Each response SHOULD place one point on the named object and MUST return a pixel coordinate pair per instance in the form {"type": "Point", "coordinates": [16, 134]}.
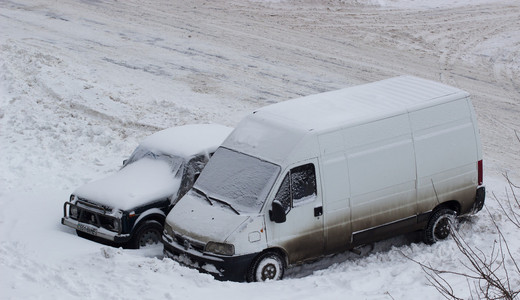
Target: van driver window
{"type": "Point", "coordinates": [284, 195]}
{"type": "Point", "coordinates": [300, 187]}
{"type": "Point", "coordinates": [303, 183]}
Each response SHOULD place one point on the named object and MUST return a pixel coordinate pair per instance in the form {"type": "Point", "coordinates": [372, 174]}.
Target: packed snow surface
{"type": "Point", "coordinates": [81, 82]}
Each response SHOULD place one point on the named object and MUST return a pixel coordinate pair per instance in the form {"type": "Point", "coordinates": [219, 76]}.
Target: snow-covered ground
{"type": "Point", "coordinates": [81, 82]}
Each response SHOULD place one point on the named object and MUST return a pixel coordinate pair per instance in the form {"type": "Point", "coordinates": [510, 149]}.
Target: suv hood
{"type": "Point", "coordinates": [139, 183]}
{"type": "Point", "coordinates": [196, 218]}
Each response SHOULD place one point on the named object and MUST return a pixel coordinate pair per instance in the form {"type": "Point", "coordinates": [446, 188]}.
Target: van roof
{"type": "Point", "coordinates": [376, 100]}
{"type": "Point", "coordinates": [274, 132]}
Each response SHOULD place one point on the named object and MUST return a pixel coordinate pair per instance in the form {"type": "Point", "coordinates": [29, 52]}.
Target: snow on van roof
{"type": "Point", "coordinates": [359, 103]}
{"type": "Point", "coordinates": [273, 132]}
{"type": "Point", "coordinates": [187, 140]}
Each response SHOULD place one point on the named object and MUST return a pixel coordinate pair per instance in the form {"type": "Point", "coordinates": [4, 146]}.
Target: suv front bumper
{"type": "Point", "coordinates": [91, 221]}
{"type": "Point", "coordinates": [95, 231]}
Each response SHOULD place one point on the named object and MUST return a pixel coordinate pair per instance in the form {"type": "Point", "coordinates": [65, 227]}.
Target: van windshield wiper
{"type": "Point", "coordinates": [215, 199]}
{"type": "Point", "coordinates": [227, 204]}
{"type": "Point", "coordinates": [203, 194]}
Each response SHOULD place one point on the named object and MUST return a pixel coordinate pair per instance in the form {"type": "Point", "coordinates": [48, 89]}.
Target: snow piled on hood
{"type": "Point", "coordinates": [141, 182]}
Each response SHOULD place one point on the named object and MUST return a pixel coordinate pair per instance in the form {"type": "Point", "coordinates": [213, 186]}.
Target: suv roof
{"type": "Point", "coordinates": [187, 140]}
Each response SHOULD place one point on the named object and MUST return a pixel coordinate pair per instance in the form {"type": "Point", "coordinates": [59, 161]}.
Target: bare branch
{"type": "Point", "coordinates": [483, 269]}
{"type": "Point", "coordinates": [488, 275]}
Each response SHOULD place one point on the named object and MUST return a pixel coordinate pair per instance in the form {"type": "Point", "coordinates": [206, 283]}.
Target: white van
{"type": "Point", "coordinates": [325, 173]}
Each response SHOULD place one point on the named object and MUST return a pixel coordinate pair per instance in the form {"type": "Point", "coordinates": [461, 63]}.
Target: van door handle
{"type": "Point", "coordinates": [318, 211]}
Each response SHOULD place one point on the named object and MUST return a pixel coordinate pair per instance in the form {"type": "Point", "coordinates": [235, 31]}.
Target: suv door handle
{"type": "Point", "coordinates": [318, 211]}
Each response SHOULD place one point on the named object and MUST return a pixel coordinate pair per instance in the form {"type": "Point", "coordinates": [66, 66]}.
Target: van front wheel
{"type": "Point", "coordinates": [267, 266]}
{"type": "Point", "coordinates": [439, 226]}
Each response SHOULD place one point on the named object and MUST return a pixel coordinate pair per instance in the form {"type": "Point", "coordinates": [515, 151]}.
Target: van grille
{"type": "Point", "coordinates": [188, 243]}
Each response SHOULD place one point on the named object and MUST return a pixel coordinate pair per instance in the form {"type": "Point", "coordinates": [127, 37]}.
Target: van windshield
{"type": "Point", "coordinates": [240, 180]}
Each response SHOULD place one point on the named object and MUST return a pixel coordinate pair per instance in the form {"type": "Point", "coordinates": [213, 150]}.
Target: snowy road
{"type": "Point", "coordinates": [82, 81]}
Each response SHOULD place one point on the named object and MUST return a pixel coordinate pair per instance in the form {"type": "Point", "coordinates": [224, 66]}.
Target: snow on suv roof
{"type": "Point", "coordinates": [359, 103]}
{"type": "Point", "coordinates": [187, 140]}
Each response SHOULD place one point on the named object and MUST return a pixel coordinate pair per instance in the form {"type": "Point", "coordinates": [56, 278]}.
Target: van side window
{"type": "Point", "coordinates": [303, 183]}
{"type": "Point", "coordinates": [297, 186]}
{"type": "Point", "coordinates": [284, 194]}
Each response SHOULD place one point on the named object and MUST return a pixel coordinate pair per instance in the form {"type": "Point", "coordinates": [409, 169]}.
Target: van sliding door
{"type": "Point", "coordinates": [381, 163]}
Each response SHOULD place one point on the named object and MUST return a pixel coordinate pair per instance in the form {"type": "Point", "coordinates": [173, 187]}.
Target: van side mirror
{"type": "Point", "coordinates": [277, 213]}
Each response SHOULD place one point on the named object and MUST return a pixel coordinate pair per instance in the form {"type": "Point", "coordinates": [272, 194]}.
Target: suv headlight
{"type": "Point", "coordinates": [220, 248]}
{"type": "Point", "coordinates": [73, 212]}
{"type": "Point", "coordinates": [116, 224]}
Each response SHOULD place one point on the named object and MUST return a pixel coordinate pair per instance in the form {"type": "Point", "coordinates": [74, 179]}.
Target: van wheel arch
{"type": "Point", "coordinates": [272, 254]}
{"type": "Point", "coordinates": [452, 204]}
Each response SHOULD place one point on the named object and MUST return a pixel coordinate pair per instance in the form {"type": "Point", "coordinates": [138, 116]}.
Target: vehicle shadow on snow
{"type": "Point", "coordinates": [152, 251]}
{"type": "Point", "coordinates": [308, 268]}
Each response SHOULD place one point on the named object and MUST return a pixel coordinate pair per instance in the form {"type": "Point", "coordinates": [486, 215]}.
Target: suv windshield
{"type": "Point", "coordinates": [240, 180]}
{"type": "Point", "coordinates": [140, 152]}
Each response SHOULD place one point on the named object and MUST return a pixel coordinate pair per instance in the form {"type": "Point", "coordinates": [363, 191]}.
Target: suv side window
{"type": "Point", "coordinates": [297, 186]}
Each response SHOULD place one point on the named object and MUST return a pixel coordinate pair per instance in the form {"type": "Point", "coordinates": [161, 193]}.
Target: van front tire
{"type": "Point", "coordinates": [439, 226]}
{"type": "Point", "coordinates": [267, 266]}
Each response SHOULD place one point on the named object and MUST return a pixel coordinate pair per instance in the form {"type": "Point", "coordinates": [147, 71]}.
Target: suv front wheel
{"type": "Point", "coordinates": [148, 234]}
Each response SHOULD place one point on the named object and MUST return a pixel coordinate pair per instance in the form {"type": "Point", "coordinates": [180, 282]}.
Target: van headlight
{"type": "Point", "coordinates": [168, 231]}
{"type": "Point", "coordinates": [220, 248]}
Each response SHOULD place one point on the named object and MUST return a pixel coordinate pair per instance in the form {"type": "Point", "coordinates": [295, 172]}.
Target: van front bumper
{"type": "Point", "coordinates": [232, 268]}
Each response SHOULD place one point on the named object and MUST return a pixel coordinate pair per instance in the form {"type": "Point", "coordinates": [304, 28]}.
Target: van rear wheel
{"type": "Point", "coordinates": [439, 226]}
{"type": "Point", "coordinates": [268, 266]}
